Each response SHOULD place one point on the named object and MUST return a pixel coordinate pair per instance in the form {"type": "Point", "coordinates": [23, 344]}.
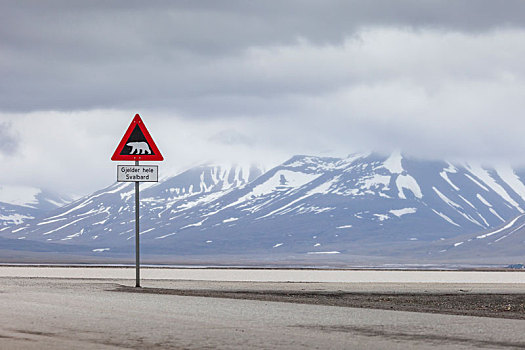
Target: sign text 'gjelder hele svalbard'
{"type": "Point", "coordinates": [142, 173]}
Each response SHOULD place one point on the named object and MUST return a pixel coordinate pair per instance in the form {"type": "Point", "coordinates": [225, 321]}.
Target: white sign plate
{"type": "Point", "coordinates": [141, 173]}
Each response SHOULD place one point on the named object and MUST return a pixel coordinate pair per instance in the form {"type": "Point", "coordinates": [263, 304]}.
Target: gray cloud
{"type": "Point", "coordinates": [231, 137]}
{"type": "Point", "coordinates": [9, 140]}
{"type": "Point", "coordinates": [76, 55]}
{"type": "Point", "coordinates": [257, 80]}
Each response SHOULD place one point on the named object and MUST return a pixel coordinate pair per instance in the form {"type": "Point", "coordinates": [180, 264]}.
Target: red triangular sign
{"type": "Point", "coordinates": [137, 144]}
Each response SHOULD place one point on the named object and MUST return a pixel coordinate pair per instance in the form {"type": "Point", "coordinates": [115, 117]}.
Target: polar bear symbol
{"type": "Point", "coordinates": [139, 148]}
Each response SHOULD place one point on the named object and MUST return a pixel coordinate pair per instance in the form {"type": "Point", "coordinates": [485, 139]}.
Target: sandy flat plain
{"type": "Point", "coordinates": [203, 312]}
{"type": "Point", "coordinates": [269, 275]}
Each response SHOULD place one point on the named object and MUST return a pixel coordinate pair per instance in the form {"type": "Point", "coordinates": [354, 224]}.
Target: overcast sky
{"type": "Point", "coordinates": [255, 81]}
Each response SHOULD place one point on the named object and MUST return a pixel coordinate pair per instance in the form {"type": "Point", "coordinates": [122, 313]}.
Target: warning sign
{"type": "Point", "coordinates": [137, 144]}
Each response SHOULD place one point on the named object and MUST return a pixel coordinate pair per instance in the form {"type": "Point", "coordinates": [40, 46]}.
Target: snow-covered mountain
{"type": "Point", "coordinates": [105, 215]}
{"type": "Point", "coordinates": [19, 204]}
{"type": "Point", "coordinates": [362, 205]}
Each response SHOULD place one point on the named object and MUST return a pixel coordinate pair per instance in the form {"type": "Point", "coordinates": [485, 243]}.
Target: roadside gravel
{"type": "Point", "coordinates": [461, 302]}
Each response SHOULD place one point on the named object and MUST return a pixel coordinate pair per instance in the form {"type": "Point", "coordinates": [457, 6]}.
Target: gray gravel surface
{"type": "Point", "coordinates": [462, 302]}
{"type": "Point", "coordinates": [39, 313]}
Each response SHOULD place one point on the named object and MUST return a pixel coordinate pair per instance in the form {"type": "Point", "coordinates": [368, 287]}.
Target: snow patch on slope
{"type": "Point", "coordinates": [393, 163]}
{"type": "Point", "coordinates": [15, 219]}
{"type": "Point", "coordinates": [449, 220]}
{"type": "Point", "coordinates": [509, 176]}
{"type": "Point", "coordinates": [466, 201]}
{"type": "Point", "coordinates": [446, 199]}
{"type": "Point", "coordinates": [496, 214]}
{"type": "Point", "coordinates": [476, 182]}
{"type": "Point", "coordinates": [404, 211]}
{"type": "Point", "coordinates": [510, 224]}
{"type": "Point", "coordinates": [382, 217]}
{"type": "Point", "coordinates": [455, 206]}
{"type": "Point", "coordinates": [483, 200]}
{"type": "Point", "coordinates": [193, 225]}
{"type": "Point", "coordinates": [230, 220]}
{"type": "Point", "coordinates": [374, 181]}
{"type": "Point", "coordinates": [344, 226]}
{"type": "Point", "coordinates": [408, 182]}
{"type": "Point", "coordinates": [444, 175]}
{"type": "Point", "coordinates": [321, 189]}
{"type": "Point", "coordinates": [484, 176]}
{"type": "Point", "coordinates": [283, 179]}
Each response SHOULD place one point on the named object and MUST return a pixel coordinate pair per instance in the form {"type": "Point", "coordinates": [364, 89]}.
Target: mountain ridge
{"type": "Point", "coordinates": [22, 203]}
{"type": "Point", "coordinates": [364, 204]}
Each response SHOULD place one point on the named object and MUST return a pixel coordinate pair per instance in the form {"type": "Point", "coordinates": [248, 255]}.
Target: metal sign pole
{"type": "Point", "coordinates": [137, 248]}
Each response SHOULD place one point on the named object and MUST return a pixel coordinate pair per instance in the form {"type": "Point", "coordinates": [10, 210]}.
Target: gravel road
{"type": "Point", "coordinates": [46, 313]}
